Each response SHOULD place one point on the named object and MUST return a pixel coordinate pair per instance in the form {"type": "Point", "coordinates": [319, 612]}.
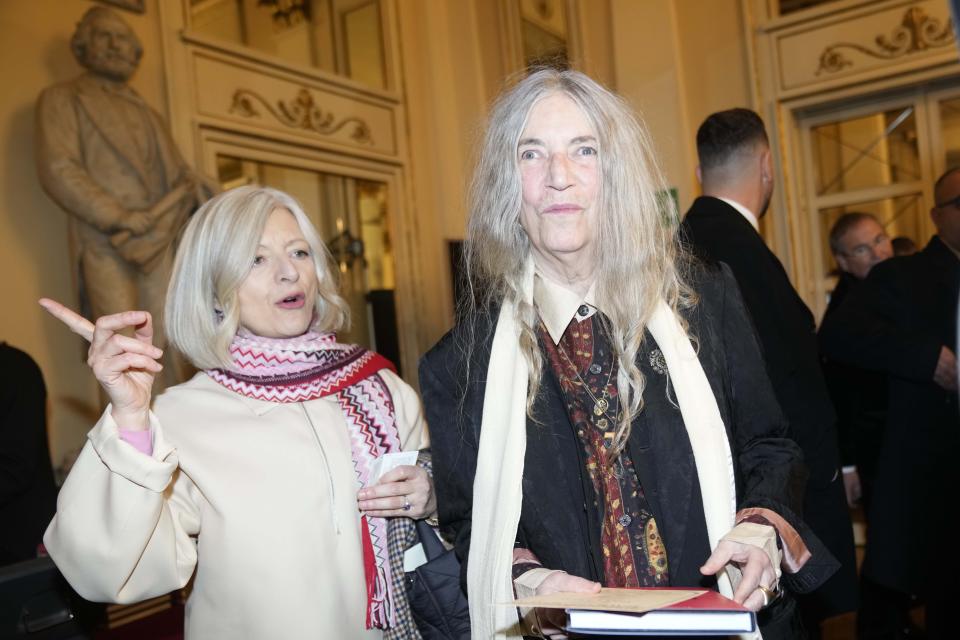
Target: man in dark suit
{"type": "Point", "coordinates": [858, 242]}
{"type": "Point", "coordinates": [903, 322]}
{"type": "Point", "coordinates": [736, 173]}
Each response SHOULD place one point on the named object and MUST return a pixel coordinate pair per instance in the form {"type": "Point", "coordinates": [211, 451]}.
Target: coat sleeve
{"type": "Point", "coordinates": [770, 463]}
{"type": "Point", "coordinates": [866, 332]}
{"type": "Point", "coordinates": [453, 436]}
{"type": "Point", "coordinates": [60, 163]}
{"type": "Point", "coordinates": [124, 523]}
{"type": "Point", "coordinates": [771, 476]}
{"type": "Point", "coordinates": [411, 424]}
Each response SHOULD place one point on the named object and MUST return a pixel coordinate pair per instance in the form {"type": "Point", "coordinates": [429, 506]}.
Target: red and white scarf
{"type": "Point", "coordinates": [312, 366]}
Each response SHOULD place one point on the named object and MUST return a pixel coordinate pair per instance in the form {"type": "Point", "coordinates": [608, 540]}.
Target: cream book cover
{"type": "Point", "coordinates": [610, 599]}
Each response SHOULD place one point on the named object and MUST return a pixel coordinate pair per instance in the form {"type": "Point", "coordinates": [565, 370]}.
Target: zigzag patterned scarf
{"type": "Point", "coordinates": [312, 366]}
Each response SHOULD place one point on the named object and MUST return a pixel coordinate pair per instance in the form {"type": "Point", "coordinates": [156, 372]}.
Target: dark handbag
{"type": "Point", "coordinates": [437, 603]}
{"type": "Point", "coordinates": [36, 602]}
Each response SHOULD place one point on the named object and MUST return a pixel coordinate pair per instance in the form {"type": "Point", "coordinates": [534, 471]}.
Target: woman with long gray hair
{"type": "Point", "coordinates": [601, 413]}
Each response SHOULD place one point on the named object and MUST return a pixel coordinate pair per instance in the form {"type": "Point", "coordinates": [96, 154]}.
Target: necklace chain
{"type": "Point", "coordinates": [601, 404]}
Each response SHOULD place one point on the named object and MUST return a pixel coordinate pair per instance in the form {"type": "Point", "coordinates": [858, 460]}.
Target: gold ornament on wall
{"type": "Point", "coordinates": [300, 113]}
{"type": "Point", "coordinates": [917, 32]}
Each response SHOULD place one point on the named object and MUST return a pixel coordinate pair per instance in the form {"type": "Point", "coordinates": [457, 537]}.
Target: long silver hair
{"type": "Point", "coordinates": [637, 248]}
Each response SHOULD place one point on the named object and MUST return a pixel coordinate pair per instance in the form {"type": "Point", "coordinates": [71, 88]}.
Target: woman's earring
{"type": "Point", "coordinates": [219, 314]}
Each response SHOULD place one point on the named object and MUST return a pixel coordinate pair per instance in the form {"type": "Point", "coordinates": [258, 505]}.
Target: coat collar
{"type": "Point", "coordinates": [748, 215]}
{"type": "Point", "coordinates": [946, 261]}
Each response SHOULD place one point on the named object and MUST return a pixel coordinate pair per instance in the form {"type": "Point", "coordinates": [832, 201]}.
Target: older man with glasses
{"type": "Point", "coordinates": [858, 242]}
{"type": "Point", "coordinates": [902, 322]}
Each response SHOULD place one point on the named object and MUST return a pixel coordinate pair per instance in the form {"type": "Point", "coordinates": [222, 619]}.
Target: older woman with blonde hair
{"type": "Point", "coordinates": [246, 477]}
{"type": "Point", "coordinates": [601, 415]}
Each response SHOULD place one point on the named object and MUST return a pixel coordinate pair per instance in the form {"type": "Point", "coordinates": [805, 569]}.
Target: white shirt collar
{"type": "Point", "coordinates": [557, 305]}
{"type": "Point", "coordinates": [746, 213]}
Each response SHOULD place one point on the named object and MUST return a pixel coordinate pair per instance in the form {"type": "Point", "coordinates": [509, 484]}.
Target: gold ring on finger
{"type": "Point", "coordinates": [769, 595]}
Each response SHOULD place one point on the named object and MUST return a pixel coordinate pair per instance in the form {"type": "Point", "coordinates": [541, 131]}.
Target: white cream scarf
{"type": "Point", "coordinates": [497, 488]}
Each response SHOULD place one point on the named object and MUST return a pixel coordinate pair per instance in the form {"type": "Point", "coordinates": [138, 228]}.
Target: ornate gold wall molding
{"type": "Point", "coordinates": [917, 32]}
{"type": "Point", "coordinates": [300, 113]}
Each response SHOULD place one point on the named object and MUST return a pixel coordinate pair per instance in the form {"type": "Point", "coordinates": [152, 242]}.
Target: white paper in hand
{"type": "Point", "coordinates": [388, 462]}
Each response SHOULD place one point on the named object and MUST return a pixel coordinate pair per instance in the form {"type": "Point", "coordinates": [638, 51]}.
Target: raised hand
{"type": "Point", "coordinates": [124, 367]}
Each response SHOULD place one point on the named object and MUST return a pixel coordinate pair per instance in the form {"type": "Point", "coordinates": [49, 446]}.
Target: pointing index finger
{"type": "Point", "coordinates": [74, 321]}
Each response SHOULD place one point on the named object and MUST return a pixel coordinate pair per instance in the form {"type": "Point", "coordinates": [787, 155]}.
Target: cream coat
{"type": "Point", "coordinates": [258, 498]}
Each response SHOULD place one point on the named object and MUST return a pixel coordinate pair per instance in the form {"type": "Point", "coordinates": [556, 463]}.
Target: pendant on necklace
{"type": "Point", "coordinates": [600, 407]}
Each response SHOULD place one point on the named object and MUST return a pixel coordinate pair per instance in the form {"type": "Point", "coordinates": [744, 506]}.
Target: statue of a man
{"type": "Point", "coordinates": [108, 159]}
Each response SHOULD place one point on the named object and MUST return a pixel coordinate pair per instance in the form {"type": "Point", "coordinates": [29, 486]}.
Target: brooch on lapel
{"type": "Point", "coordinates": [658, 362]}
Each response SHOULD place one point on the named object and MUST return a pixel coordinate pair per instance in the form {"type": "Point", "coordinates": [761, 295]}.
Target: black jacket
{"type": "Point", "coordinates": [719, 233]}
{"type": "Point", "coordinates": [860, 399]}
{"type": "Point", "coordinates": [896, 323]}
{"type": "Point", "coordinates": [557, 520]}
{"type": "Point", "coordinates": [27, 492]}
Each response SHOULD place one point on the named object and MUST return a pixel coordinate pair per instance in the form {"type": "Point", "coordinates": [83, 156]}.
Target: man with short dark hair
{"type": "Point", "coordinates": [736, 173]}
{"type": "Point", "coordinates": [902, 322]}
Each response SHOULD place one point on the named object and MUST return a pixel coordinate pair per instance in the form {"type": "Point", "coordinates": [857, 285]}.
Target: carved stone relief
{"type": "Point", "coordinates": [300, 113]}
{"type": "Point", "coordinates": [254, 99]}
{"type": "Point", "coordinates": [917, 32]}
{"type": "Point", "coordinates": [824, 51]}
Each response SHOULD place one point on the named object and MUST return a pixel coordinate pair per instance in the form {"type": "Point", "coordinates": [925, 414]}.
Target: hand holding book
{"type": "Point", "coordinates": [756, 568]}
{"type": "Point", "coordinates": [552, 621]}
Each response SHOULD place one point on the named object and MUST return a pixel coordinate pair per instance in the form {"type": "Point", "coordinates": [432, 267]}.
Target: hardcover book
{"type": "Point", "coordinates": [650, 611]}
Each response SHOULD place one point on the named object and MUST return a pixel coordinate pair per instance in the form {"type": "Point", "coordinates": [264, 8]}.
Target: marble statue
{"type": "Point", "coordinates": [109, 161]}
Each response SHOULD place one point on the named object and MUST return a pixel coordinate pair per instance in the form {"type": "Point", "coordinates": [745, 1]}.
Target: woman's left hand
{"type": "Point", "coordinates": [405, 485]}
{"type": "Point", "coordinates": [754, 564]}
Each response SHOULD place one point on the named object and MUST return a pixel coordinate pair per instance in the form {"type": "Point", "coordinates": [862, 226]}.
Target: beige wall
{"type": "Point", "coordinates": [33, 230]}
{"type": "Point", "coordinates": [677, 61]}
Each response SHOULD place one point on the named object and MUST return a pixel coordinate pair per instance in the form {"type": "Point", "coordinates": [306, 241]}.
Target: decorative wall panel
{"type": "Point", "coordinates": [229, 92]}
{"type": "Point", "coordinates": [857, 45]}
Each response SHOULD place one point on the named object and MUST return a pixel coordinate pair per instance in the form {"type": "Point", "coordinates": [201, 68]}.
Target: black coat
{"type": "Point", "coordinates": [27, 492]}
{"type": "Point", "coordinates": [860, 399]}
{"type": "Point", "coordinates": [557, 521]}
{"type": "Point", "coordinates": [896, 323]}
{"type": "Point", "coordinates": [719, 233]}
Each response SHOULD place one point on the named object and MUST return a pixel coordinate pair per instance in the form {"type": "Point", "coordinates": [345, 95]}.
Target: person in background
{"type": "Point", "coordinates": [903, 246]}
{"type": "Point", "coordinates": [857, 242]}
{"type": "Point", "coordinates": [246, 477]}
{"type": "Point", "coordinates": [736, 173]}
{"type": "Point", "coordinates": [27, 490]}
{"type": "Point", "coordinates": [902, 322]}
{"type": "Point", "coordinates": [600, 414]}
